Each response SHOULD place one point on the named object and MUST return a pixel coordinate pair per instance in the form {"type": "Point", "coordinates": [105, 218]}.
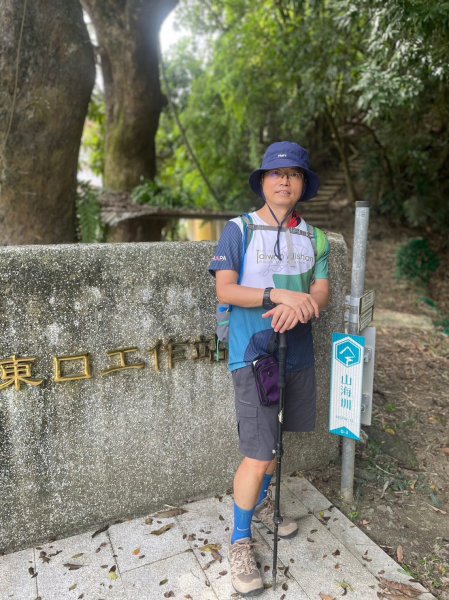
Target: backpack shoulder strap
{"type": "Point", "coordinates": [311, 236]}
{"type": "Point", "coordinates": [248, 226]}
{"type": "Point", "coordinates": [247, 222]}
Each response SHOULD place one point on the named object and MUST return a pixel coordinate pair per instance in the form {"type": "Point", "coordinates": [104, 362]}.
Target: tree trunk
{"type": "Point", "coordinates": [128, 37]}
{"type": "Point", "coordinates": [48, 70]}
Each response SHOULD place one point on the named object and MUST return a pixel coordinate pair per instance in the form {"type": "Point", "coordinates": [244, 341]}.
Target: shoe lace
{"type": "Point", "coordinates": [243, 556]}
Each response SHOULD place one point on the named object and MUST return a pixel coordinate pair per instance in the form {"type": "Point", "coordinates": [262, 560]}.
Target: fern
{"type": "Point", "coordinates": [88, 212]}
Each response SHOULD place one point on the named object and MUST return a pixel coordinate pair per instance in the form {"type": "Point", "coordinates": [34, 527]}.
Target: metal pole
{"type": "Point", "coordinates": [282, 355]}
{"type": "Point", "coordinates": [357, 289]}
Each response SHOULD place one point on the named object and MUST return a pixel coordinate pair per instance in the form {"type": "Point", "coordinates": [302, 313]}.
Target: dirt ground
{"type": "Point", "coordinates": [401, 487]}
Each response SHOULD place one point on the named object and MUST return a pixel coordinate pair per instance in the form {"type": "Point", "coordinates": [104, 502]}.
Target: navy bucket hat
{"type": "Point", "coordinates": [286, 154]}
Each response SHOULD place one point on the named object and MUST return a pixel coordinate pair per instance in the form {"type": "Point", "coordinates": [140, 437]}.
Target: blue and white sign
{"type": "Point", "coordinates": [346, 385]}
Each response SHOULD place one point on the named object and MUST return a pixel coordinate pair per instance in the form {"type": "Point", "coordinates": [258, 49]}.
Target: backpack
{"type": "Point", "coordinates": [223, 311]}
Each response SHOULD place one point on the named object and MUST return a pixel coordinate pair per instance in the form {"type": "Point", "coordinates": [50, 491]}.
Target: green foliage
{"type": "Point", "coordinates": [154, 193]}
{"type": "Point", "coordinates": [247, 93]}
{"type": "Point", "coordinates": [416, 261]}
{"type": "Point", "coordinates": [95, 132]}
{"type": "Point", "coordinates": [332, 74]}
{"type": "Point", "coordinates": [90, 228]}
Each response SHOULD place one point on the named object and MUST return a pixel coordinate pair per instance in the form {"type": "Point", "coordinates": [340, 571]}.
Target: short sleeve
{"type": "Point", "coordinates": [323, 250]}
{"type": "Point", "coordinates": [228, 255]}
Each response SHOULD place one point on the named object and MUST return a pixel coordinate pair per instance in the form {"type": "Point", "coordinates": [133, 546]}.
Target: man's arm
{"type": "Point", "coordinates": [320, 292]}
{"type": "Point", "coordinates": [229, 292]}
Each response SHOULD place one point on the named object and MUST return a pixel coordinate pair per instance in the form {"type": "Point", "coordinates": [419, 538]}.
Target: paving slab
{"type": "Point", "coordinates": [16, 579]}
{"type": "Point", "coordinates": [180, 575]}
{"type": "Point", "coordinates": [307, 493]}
{"type": "Point", "coordinates": [318, 561]}
{"type": "Point", "coordinates": [81, 566]}
{"type": "Point", "coordinates": [138, 542]}
{"type": "Point", "coordinates": [188, 559]}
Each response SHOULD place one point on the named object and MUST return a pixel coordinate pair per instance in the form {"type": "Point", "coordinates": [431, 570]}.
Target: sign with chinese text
{"type": "Point", "coordinates": [346, 385]}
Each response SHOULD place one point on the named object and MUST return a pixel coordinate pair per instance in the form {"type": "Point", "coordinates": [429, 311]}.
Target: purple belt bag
{"type": "Point", "coordinates": [266, 373]}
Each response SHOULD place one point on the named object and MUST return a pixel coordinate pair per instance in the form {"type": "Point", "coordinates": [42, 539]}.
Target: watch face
{"type": "Point", "coordinates": [267, 303]}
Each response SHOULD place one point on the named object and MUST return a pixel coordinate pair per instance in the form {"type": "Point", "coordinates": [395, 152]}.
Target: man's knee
{"type": "Point", "coordinates": [257, 466]}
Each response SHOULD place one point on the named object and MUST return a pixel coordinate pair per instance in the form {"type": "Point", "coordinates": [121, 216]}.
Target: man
{"type": "Point", "coordinates": [274, 274]}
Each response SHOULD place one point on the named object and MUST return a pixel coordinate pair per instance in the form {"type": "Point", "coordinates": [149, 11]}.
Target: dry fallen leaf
{"type": "Point", "coordinates": [438, 510]}
{"type": "Point", "coordinates": [208, 564]}
{"type": "Point", "coordinates": [105, 528]}
{"type": "Point", "coordinates": [217, 556]}
{"type": "Point", "coordinates": [210, 548]}
{"type": "Point", "coordinates": [400, 554]}
{"type": "Point", "coordinates": [162, 529]}
{"type": "Point", "coordinates": [112, 573]}
{"type": "Point", "coordinates": [365, 557]}
{"type": "Point", "coordinates": [345, 586]}
{"type": "Point", "coordinates": [72, 566]}
{"type": "Point", "coordinates": [407, 590]}
{"type": "Point", "coordinates": [168, 514]}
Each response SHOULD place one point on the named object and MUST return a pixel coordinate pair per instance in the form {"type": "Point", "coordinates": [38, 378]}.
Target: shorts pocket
{"type": "Point", "coordinates": [248, 427]}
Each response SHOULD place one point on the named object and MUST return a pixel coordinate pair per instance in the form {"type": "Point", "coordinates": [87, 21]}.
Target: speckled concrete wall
{"type": "Point", "coordinates": [84, 452]}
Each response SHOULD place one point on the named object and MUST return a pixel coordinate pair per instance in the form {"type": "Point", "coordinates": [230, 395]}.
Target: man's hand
{"type": "Point", "coordinates": [283, 318]}
{"type": "Point", "coordinates": [303, 304]}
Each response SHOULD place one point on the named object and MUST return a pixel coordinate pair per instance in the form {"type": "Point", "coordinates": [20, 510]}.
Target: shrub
{"type": "Point", "coordinates": [416, 261]}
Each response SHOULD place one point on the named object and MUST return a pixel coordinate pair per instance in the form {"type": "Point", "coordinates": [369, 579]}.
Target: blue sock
{"type": "Point", "coordinates": [242, 523]}
{"type": "Point", "coordinates": [265, 485]}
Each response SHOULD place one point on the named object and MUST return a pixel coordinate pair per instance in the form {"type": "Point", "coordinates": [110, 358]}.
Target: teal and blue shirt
{"type": "Point", "coordinates": [251, 336]}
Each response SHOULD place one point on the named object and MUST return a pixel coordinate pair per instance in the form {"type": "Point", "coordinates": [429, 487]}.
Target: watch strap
{"type": "Point", "coordinates": [267, 302]}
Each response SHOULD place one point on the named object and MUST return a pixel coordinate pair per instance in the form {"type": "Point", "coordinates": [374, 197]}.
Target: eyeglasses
{"type": "Point", "coordinates": [277, 174]}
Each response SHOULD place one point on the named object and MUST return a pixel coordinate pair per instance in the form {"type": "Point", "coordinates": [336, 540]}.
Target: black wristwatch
{"type": "Point", "coordinates": [267, 302]}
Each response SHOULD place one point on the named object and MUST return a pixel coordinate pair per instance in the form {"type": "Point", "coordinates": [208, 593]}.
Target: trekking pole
{"type": "Point", "coordinates": [279, 450]}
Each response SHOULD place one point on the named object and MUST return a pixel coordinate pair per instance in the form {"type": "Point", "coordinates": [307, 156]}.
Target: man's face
{"type": "Point", "coordinates": [283, 187]}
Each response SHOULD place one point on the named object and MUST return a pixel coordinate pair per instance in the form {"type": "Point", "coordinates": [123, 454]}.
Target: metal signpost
{"type": "Point", "coordinates": [353, 359]}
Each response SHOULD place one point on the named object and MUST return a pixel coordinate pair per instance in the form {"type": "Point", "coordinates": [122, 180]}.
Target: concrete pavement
{"type": "Point", "coordinates": [184, 556]}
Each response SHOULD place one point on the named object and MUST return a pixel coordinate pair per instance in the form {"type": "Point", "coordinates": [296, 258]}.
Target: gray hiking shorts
{"type": "Point", "coordinates": [257, 425]}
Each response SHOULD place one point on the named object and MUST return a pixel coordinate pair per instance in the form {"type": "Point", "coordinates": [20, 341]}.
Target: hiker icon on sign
{"type": "Point", "coordinates": [347, 352]}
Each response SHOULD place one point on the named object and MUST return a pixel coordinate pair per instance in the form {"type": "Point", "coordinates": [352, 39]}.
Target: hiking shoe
{"type": "Point", "coordinates": [265, 515]}
{"type": "Point", "coordinates": [245, 576]}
